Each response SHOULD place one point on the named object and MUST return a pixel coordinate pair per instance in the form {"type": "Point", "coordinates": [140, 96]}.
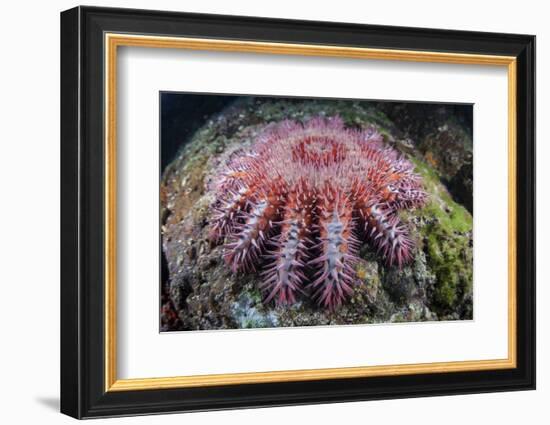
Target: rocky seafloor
{"type": "Point", "coordinates": [199, 290]}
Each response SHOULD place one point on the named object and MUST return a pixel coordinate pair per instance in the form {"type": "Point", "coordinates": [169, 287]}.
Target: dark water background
{"type": "Point", "coordinates": [181, 115]}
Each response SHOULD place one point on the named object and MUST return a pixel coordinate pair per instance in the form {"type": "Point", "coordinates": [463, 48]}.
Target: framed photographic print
{"type": "Point", "coordinates": [261, 212]}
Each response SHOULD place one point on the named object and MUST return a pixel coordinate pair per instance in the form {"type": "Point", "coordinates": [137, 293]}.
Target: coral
{"type": "Point", "coordinates": [300, 201]}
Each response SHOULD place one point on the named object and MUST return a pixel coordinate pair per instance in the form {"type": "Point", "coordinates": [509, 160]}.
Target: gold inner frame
{"type": "Point", "coordinates": [113, 41]}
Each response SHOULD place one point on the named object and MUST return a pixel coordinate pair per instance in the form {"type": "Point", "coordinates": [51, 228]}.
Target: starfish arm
{"type": "Point", "coordinates": [335, 275]}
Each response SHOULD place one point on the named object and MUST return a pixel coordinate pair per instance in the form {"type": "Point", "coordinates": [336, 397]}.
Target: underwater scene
{"type": "Point", "coordinates": [289, 211]}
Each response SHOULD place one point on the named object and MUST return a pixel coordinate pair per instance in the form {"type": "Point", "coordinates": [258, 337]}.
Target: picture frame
{"type": "Point", "coordinates": [90, 40]}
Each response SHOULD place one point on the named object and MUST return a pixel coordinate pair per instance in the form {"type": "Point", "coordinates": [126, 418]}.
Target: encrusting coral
{"type": "Point", "coordinates": [302, 199]}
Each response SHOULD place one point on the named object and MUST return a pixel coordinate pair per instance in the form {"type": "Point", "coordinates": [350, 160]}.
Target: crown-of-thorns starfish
{"type": "Point", "coordinates": [302, 199]}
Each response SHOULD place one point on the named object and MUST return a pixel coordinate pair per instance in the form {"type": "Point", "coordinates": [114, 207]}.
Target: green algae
{"type": "Point", "coordinates": [452, 215]}
{"type": "Point", "coordinates": [446, 236]}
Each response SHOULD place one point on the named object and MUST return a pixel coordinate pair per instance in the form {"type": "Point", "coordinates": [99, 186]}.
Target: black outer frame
{"type": "Point", "coordinates": [82, 218]}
